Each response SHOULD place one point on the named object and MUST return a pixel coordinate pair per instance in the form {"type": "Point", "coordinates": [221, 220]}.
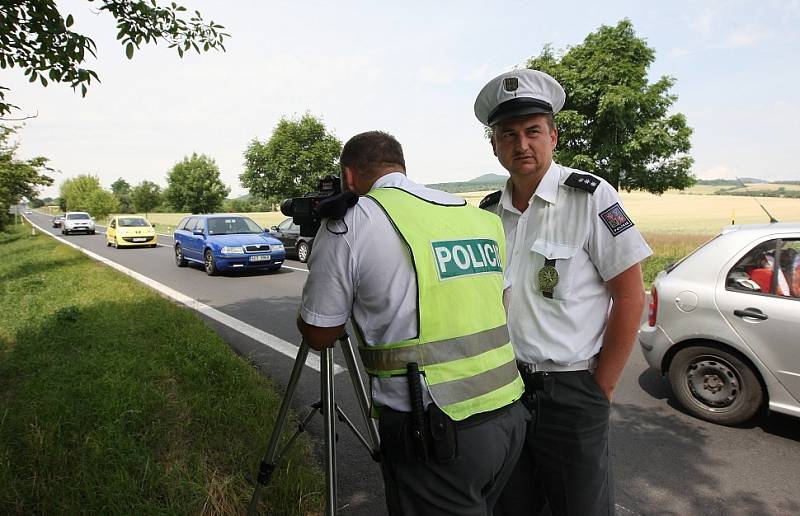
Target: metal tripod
{"type": "Point", "coordinates": [328, 407]}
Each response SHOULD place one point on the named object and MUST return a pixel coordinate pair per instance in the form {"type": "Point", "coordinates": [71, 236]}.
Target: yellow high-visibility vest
{"type": "Point", "coordinates": [463, 346]}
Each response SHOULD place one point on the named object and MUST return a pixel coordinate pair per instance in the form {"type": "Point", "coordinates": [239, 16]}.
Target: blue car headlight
{"type": "Point", "coordinates": [276, 247]}
{"type": "Point", "coordinates": [232, 250]}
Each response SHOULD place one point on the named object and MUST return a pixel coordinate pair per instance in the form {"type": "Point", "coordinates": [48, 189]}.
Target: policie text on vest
{"type": "Point", "coordinates": [464, 257]}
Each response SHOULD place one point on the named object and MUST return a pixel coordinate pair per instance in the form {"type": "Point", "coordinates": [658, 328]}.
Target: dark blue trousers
{"type": "Point", "coordinates": [565, 463]}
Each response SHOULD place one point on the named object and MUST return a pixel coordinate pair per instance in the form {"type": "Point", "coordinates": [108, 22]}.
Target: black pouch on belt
{"type": "Point", "coordinates": [443, 435]}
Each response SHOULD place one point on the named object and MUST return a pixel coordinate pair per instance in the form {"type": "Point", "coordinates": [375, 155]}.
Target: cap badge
{"type": "Point", "coordinates": [510, 84]}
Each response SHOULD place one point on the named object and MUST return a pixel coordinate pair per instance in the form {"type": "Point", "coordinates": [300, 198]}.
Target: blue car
{"type": "Point", "coordinates": [226, 242]}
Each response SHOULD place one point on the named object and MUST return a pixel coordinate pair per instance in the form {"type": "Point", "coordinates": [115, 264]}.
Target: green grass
{"type": "Point", "coordinates": [114, 400]}
{"type": "Point", "coordinates": [668, 248]}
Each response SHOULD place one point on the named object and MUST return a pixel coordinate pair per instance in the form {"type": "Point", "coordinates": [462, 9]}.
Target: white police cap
{"type": "Point", "coordinates": [518, 93]}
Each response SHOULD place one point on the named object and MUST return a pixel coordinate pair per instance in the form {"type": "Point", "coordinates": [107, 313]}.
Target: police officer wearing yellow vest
{"type": "Point", "coordinates": [420, 272]}
{"type": "Point", "coordinates": [574, 297]}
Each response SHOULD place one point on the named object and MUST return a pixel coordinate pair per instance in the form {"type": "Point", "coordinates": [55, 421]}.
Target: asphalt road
{"type": "Point", "coordinates": [665, 462]}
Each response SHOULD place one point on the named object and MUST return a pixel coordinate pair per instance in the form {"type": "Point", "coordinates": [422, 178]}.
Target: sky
{"type": "Point", "coordinates": [412, 69]}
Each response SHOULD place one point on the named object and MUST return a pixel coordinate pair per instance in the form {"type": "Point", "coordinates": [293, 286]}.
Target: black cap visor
{"type": "Point", "coordinates": [520, 106]}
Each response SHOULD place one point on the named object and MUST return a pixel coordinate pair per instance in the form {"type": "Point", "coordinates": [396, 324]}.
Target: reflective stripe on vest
{"type": "Point", "coordinates": [463, 345]}
{"type": "Point", "coordinates": [393, 358]}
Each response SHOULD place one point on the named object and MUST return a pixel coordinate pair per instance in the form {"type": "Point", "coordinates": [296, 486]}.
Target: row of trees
{"type": "Point", "coordinates": [194, 185]}
{"type": "Point", "coordinates": [289, 164]}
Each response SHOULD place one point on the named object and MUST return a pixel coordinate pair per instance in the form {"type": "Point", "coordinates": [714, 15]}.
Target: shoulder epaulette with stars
{"type": "Point", "coordinates": [491, 199]}
{"type": "Point", "coordinates": [583, 182]}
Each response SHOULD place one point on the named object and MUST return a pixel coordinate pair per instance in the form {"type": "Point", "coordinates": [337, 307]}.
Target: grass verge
{"type": "Point", "coordinates": [668, 248]}
{"type": "Point", "coordinates": [114, 400]}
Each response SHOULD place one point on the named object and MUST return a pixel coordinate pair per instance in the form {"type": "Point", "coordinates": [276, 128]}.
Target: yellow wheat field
{"type": "Point", "coordinates": [694, 214]}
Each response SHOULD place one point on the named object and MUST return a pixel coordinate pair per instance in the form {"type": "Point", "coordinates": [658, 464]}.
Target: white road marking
{"type": "Point", "coordinates": [267, 339]}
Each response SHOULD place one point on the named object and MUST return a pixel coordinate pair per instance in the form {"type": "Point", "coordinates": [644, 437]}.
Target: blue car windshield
{"type": "Point", "coordinates": [232, 226]}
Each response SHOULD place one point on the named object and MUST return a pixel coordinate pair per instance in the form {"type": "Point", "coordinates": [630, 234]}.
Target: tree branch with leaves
{"type": "Point", "coordinates": [36, 38]}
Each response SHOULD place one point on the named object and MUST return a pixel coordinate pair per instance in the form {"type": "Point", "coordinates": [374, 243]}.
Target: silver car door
{"type": "Point", "coordinates": [767, 322]}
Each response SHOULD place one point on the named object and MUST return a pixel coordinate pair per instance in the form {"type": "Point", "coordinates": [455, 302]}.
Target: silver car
{"type": "Point", "coordinates": [724, 324]}
{"type": "Point", "coordinates": [77, 222]}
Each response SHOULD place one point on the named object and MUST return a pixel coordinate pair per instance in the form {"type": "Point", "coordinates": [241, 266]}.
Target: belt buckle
{"type": "Point", "coordinates": [531, 369]}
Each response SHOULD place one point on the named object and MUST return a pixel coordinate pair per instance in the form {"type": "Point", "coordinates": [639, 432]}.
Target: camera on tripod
{"type": "Point", "coordinates": [305, 210]}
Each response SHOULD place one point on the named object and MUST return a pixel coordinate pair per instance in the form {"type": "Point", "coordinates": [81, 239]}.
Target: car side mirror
{"type": "Point", "coordinates": [197, 231]}
{"type": "Point", "coordinates": [274, 228]}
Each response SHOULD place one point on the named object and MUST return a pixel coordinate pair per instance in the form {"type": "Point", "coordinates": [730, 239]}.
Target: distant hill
{"type": "Point", "coordinates": [489, 178]}
{"type": "Point", "coordinates": [487, 182]}
{"type": "Point", "coordinates": [480, 183]}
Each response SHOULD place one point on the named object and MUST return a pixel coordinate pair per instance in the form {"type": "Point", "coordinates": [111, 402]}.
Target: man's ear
{"type": "Point", "coordinates": [494, 145]}
{"type": "Point", "coordinates": [348, 179]}
{"type": "Point", "coordinates": [554, 136]}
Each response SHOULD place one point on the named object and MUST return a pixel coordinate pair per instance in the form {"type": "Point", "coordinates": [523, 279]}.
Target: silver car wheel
{"type": "Point", "coordinates": [302, 252]}
{"type": "Point", "coordinates": [713, 382]}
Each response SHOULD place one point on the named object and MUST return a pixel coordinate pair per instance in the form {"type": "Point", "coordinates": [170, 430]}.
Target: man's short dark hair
{"type": "Point", "coordinates": [372, 152]}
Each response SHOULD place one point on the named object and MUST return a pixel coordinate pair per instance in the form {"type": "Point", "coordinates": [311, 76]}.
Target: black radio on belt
{"type": "Point", "coordinates": [432, 432]}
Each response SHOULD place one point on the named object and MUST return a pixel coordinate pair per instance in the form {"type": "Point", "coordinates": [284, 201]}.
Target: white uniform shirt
{"type": "Point", "coordinates": [368, 272]}
{"type": "Point", "coordinates": [591, 240]}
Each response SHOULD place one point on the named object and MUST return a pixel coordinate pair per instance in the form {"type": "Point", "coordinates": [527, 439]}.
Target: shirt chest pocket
{"type": "Point", "coordinates": [553, 269]}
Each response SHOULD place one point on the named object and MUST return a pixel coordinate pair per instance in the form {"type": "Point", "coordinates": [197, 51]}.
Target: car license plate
{"type": "Point", "coordinates": [139, 239]}
{"type": "Point", "coordinates": [260, 258]}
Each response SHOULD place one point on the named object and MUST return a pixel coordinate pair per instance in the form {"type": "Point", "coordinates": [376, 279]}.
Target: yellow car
{"type": "Point", "coordinates": [130, 230]}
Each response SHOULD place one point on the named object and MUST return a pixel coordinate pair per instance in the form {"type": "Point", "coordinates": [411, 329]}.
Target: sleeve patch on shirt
{"type": "Point", "coordinates": [615, 219]}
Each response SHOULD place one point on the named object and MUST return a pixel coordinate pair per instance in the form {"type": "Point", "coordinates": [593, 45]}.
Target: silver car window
{"type": "Point", "coordinates": [770, 268]}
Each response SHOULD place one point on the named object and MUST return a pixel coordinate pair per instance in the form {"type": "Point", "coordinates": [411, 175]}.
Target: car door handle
{"type": "Point", "coordinates": [755, 313]}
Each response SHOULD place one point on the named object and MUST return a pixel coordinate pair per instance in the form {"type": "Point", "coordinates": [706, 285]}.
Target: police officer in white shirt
{"type": "Point", "coordinates": [370, 265]}
{"type": "Point", "coordinates": [574, 298]}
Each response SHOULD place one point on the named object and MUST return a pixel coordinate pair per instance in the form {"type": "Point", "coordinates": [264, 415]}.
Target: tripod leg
{"type": "Point", "coordinates": [361, 395]}
{"type": "Point", "coordinates": [267, 463]}
{"type": "Point", "coordinates": [329, 418]}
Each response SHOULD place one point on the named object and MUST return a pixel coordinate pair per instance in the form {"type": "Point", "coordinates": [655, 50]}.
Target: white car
{"type": "Point", "coordinates": [77, 222]}
{"type": "Point", "coordinates": [724, 324]}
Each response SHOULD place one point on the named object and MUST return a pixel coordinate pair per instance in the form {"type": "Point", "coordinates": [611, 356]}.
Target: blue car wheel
{"type": "Point", "coordinates": [209, 263]}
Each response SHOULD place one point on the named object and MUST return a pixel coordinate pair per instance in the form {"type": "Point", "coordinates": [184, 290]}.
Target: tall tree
{"type": "Point", "coordinates": [84, 193]}
{"type": "Point", "coordinates": [194, 185]}
{"type": "Point", "coordinates": [615, 123]}
{"type": "Point", "coordinates": [298, 154]}
{"type": "Point", "coordinates": [122, 191]}
{"type": "Point", "coordinates": [36, 38]}
{"type": "Point", "coordinates": [18, 178]}
{"type": "Point", "coordinates": [101, 203]}
{"type": "Point", "coordinates": [146, 196]}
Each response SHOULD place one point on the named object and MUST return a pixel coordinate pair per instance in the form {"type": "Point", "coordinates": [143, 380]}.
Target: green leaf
{"type": "Point", "coordinates": [43, 80]}
{"type": "Point", "coordinates": [180, 51]}
{"type": "Point", "coordinates": [129, 51]}
{"type": "Point", "coordinates": [70, 21]}
{"type": "Point", "coordinates": [83, 90]}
